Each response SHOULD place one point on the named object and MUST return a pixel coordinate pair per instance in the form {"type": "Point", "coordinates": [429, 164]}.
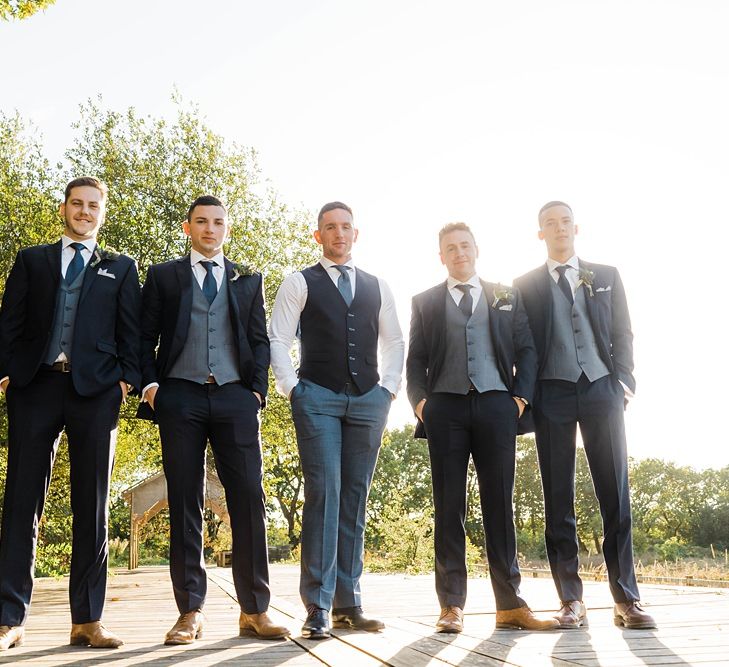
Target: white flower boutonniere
{"type": "Point", "coordinates": [241, 270]}
{"type": "Point", "coordinates": [586, 278]}
{"type": "Point", "coordinates": [502, 293]}
{"type": "Point", "coordinates": [100, 254]}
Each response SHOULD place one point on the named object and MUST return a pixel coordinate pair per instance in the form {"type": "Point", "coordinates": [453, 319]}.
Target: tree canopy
{"type": "Point", "coordinates": [22, 9]}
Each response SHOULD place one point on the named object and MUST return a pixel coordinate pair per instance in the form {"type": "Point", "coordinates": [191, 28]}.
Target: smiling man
{"type": "Point", "coordinates": [471, 370]}
{"type": "Point", "coordinates": [69, 353]}
{"type": "Point", "coordinates": [340, 400]}
{"type": "Point", "coordinates": [205, 356]}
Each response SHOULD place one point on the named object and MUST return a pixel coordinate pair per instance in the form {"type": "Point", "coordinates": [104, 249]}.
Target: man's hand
{"type": "Point", "coordinates": [259, 397]}
{"type": "Point", "coordinates": [125, 390]}
{"type": "Point", "coordinates": [419, 409]}
{"type": "Point", "coordinates": [4, 384]}
{"type": "Point", "coordinates": [150, 395]}
{"type": "Point", "coordinates": [519, 404]}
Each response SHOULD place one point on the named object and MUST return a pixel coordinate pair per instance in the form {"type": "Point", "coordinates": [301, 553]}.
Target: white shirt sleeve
{"type": "Point", "coordinates": [391, 343]}
{"type": "Point", "coordinates": [290, 301]}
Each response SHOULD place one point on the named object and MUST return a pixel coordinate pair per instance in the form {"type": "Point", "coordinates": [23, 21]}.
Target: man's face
{"type": "Point", "coordinates": [83, 212]}
{"type": "Point", "coordinates": [458, 251]}
{"type": "Point", "coordinates": [336, 234]}
{"type": "Point", "coordinates": [557, 229]}
{"type": "Point", "coordinates": [208, 229]}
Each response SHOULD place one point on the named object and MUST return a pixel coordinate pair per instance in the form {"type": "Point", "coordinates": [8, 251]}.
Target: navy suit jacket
{"type": "Point", "coordinates": [106, 341]}
{"type": "Point", "coordinates": [166, 311]}
{"type": "Point", "coordinates": [516, 356]}
{"type": "Point", "coordinates": [607, 309]}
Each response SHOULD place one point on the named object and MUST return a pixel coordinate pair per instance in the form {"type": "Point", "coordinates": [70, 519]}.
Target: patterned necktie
{"type": "Point", "coordinates": [563, 283]}
{"type": "Point", "coordinates": [466, 302]}
{"type": "Point", "coordinates": [77, 263]}
{"type": "Point", "coordinates": [344, 284]}
{"type": "Point", "coordinates": [210, 287]}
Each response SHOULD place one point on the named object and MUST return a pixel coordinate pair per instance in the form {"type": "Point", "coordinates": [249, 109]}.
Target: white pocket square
{"type": "Point", "coordinates": [106, 274]}
{"type": "Point", "coordinates": [604, 289]}
{"type": "Point", "coordinates": [508, 306]}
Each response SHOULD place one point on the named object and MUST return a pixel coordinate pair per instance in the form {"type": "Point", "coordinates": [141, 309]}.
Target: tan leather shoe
{"type": "Point", "coordinates": [188, 628]}
{"type": "Point", "coordinates": [630, 615]}
{"type": "Point", "coordinates": [11, 635]}
{"type": "Point", "coordinates": [451, 620]}
{"type": "Point", "coordinates": [93, 634]}
{"type": "Point", "coordinates": [572, 615]}
{"type": "Point", "coordinates": [261, 626]}
{"type": "Point", "coordinates": [522, 618]}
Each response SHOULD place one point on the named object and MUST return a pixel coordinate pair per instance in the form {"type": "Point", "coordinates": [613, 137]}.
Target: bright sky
{"type": "Point", "coordinates": [418, 113]}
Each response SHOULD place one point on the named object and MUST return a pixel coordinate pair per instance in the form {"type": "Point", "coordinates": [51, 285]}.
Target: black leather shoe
{"type": "Point", "coordinates": [352, 617]}
{"type": "Point", "coordinates": [316, 625]}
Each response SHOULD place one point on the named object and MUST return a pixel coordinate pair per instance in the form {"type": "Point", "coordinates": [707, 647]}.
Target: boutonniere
{"type": "Point", "coordinates": [241, 270]}
{"type": "Point", "coordinates": [502, 293]}
{"type": "Point", "coordinates": [585, 278]}
{"type": "Point", "coordinates": [100, 254]}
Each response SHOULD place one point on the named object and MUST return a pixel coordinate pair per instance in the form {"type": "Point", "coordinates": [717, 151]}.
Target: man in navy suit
{"type": "Point", "coordinates": [208, 381]}
{"type": "Point", "coordinates": [471, 369]}
{"type": "Point", "coordinates": [69, 353]}
{"type": "Point", "coordinates": [578, 314]}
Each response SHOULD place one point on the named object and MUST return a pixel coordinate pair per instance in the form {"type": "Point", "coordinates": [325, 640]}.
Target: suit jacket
{"type": "Point", "coordinates": [516, 356]}
{"type": "Point", "coordinates": [607, 309]}
{"type": "Point", "coordinates": [106, 343]}
{"type": "Point", "coordinates": [166, 310]}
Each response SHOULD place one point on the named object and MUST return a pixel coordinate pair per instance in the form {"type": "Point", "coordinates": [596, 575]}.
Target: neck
{"type": "Point", "coordinates": [462, 279]}
{"type": "Point", "coordinates": [563, 256]}
{"type": "Point", "coordinates": [339, 260]}
{"type": "Point", "coordinates": [208, 253]}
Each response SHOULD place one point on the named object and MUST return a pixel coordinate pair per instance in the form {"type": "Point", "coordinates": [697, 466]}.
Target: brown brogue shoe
{"type": "Point", "coordinates": [10, 636]}
{"type": "Point", "coordinates": [630, 615]}
{"type": "Point", "coordinates": [93, 634]}
{"type": "Point", "coordinates": [188, 628]}
{"type": "Point", "coordinates": [522, 618]}
{"type": "Point", "coordinates": [451, 620]}
{"type": "Point", "coordinates": [261, 626]}
{"type": "Point", "coordinates": [572, 615]}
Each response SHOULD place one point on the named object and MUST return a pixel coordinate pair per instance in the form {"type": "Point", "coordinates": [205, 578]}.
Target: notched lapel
{"type": "Point", "coordinates": [53, 255]}
{"type": "Point", "coordinates": [545, 297]}
{"type": "Point", "coordinates": [438, 305]}
{"type": "Point", "coordinates": [90, 275]}
{"type": "Point", "coordinates": [184, 281]}
{"type": "Point", "coordinates": [234, 290]}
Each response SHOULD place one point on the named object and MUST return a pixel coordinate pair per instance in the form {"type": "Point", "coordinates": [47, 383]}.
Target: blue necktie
{"type": "Point", "coordinates": [466, 302]}
{"type": "Point", "coordinates": [210, 287]}
{"type": "Point", "coordinates": [563, 284]}
{"type": "Point", "coordinates": [344, 284]}
{"type": "Point", "coordinates": [77, 263]}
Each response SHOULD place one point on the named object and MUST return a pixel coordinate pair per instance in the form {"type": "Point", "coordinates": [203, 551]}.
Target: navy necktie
{"type": "Point", "coordinates": [563, 283]}
{"type": "Point", "coordinates": [344, 284]}
{"type": "Point", "coordinates": [210, 287]}
{"type": "Point", "coordinates": [77, 263]}
{"type": "Point", "coordinates": [466, 302]}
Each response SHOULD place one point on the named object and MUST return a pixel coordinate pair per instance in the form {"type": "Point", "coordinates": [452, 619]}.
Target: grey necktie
{"type": "Point", "coordinates": [466, 302]}
{"type": "Point", "coordinates": [563, 283]}
{"type": "Point", "coordinates": [344, 284]}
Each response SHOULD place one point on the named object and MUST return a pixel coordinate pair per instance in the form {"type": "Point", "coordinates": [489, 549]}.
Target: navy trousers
{"type": "Point", "coordinates": [37, 414]}
{"type": "Point", "coordinates": [339, 437]}
{"type": "Point", "coordinates": [598, 409]}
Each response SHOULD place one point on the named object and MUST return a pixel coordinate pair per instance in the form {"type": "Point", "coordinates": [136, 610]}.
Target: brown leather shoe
{"type": "Point", "coordinates": [11, 635]}
{"type": "Point", "coordinates": [93, 634]}
{"type": "Point", "coordinates": [572, 615]}
{"type": "Point", "coordinates": [451, 620]}
{"type": "Point", "coordinates": [188, 628]}
{"type": "Point", "coordinates": [630, 615]}
{"type": "Point", "coordinates": [522, 618]}
{"type": "Point", "coordinates": [261, 626]}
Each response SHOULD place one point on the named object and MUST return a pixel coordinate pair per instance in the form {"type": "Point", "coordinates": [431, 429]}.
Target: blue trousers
{"type": "Point", "coordinates": [339, 437]}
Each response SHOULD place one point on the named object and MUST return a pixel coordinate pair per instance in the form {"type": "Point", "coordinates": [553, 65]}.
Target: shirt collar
{"type": "Point", "coordinates": [474, 281]}
{"type": "Point", "coordinates": [197, 257]}
{"type": "Point", "coordinates": [89, 244]}
{"type": "Point", "coordinates": [572, 261]}
{"type": "Point", "coordinates": [328, 263]}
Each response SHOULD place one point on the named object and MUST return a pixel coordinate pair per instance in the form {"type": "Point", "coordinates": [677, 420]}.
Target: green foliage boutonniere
{"type": "Point", "coordinates": [502, 293]}
{"type": "Point", "coordinates": [241, 270]}
{"type": "Point", "coordinates": [585, 278]}
{"type": "Point", "coordinates": [100, 254]}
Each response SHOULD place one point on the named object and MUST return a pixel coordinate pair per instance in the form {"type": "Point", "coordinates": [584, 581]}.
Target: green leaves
{"type": "Point", "coordinates": [21, 9]}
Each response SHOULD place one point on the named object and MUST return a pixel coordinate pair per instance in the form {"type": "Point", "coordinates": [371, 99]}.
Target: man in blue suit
{"type": "Point", "coordinates": [579, 317]}
{"type": "Point", "coordinates": [69, 353]}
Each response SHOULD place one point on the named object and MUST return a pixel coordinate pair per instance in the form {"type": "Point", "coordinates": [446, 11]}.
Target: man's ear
{"type": "Point", "coordinates": [317, 236]}
{"type": "Point", "coordinates": [186, 227]}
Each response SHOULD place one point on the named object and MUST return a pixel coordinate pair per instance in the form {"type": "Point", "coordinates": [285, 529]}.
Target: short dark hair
{"type": "Point", "coordinates": [549, 205]}
{"type": "Point", "coordinates": [82, 181]}
{"type": "Point", "coordinates": [331, 206]}
{"type": "Point", "coordinates": [454, 227]}
{"type": "Point", "coordinates": [205, 200]}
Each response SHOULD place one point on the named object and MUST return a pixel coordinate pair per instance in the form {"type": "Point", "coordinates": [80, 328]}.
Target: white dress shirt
{"type": "Point", "coordinates": [290, 302]}
{"type": "Point", "coordinates": [458, 294]}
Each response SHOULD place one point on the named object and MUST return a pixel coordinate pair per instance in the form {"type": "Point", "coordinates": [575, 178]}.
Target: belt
{"type": "Point", "coordinates": [211, 379]}
{"type": "Point", "coordinates": [59, 367]}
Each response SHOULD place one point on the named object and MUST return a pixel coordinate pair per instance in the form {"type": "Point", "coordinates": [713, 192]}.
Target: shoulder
{"type": "Point", "coordinates": [598, 269]}
{"type": "Point", "coordinates": [432, 293]}
{"type": "Point", "coordinates": [529, 277]}
{"type": "Point", "coordinates": [169, 265]}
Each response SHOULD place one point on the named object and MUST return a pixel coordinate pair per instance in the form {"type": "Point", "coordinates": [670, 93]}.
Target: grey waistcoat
{"type": "Point", "coordinates": [573, 350]}
{"type": "Point", "coordinates": [470, 358]}
{"type": "Point", "coordinates": [210, 346]}
{"type": "Point", "coordinates": [64, 320]}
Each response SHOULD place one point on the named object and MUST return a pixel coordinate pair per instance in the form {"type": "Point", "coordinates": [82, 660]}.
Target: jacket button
{"type": "Point", "coordinates": [351, 359]}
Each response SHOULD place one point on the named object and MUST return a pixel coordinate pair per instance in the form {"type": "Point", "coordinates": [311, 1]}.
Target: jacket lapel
{"type": "Point", "coordinates": [437, 308]}
{"type": "Point", "coordinates": [184, 280]}
{"type": "Point", "coordinates": [233, 305]}
{"type": "Point", "coordinates": [591, 311]}
{"type": "Point", "coordinates": [89, 275]}
{"type": "Point", "coordinates": [53, 255]}
{"type": "Point", "coordinates": [545, 298]}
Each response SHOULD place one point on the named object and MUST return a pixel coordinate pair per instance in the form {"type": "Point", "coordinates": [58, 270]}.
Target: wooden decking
{"type": "Point", "coordinates": [693, 628]}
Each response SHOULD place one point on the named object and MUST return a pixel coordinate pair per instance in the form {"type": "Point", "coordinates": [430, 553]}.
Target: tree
{"type": "Point", "coordinates": [22, 9]}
